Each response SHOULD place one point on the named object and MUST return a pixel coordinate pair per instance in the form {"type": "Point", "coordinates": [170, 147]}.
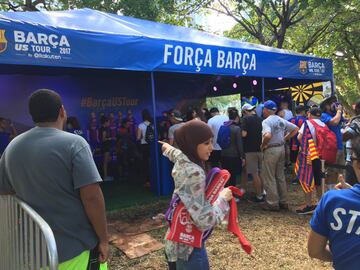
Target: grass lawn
{"type": "Point", "coordinates": [122, 195]}
{"type": "Point", "coordinates": [279, 239]}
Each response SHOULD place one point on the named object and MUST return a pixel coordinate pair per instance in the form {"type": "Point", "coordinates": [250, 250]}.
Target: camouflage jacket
{"type": "Point", "coordinates": [189, 181]}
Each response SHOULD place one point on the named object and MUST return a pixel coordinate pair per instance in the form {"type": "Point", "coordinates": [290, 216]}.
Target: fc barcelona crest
{"type": "Point", "coordinates": [3, 41]}
{"type": "Point", "coordinates": [303, 67]}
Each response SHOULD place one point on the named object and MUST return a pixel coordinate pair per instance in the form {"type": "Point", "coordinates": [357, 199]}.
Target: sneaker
{"type": "Point", "coordinates": [268, 207]}
{"type": "Point", "coordinates": [306, 210]}
{"type": "Point", "coordinates": [255, 199]}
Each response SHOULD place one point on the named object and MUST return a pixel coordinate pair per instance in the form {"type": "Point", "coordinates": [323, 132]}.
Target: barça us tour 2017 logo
{"type": "Point", "coordinates": [3, 41]}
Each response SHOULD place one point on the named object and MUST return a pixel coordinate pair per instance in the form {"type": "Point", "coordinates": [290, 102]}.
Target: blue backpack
{"type": "Point", "coordinates": [224, 136]}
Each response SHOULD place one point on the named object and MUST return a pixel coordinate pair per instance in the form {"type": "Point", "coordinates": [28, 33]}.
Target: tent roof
{"type": "Point", "coordinates": [95, 39]}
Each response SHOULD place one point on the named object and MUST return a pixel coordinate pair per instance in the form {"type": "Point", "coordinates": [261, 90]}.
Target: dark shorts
{"type": "Point", "coordinates": [316, 165]}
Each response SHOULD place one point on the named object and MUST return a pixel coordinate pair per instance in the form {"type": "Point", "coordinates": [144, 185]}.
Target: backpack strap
{"type": "Point", "coordinates": [313, 122]}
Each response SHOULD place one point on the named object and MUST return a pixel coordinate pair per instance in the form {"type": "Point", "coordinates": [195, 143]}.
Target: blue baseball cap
{"type": "Point", "coordinates": [270, 105]}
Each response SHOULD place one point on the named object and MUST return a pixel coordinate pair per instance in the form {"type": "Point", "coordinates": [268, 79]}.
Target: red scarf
{"type": "Point", "coordinates": [182, 229]}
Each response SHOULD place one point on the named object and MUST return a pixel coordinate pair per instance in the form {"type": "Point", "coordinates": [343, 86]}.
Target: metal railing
{"type": "Point", "coordinates": [26, 240]}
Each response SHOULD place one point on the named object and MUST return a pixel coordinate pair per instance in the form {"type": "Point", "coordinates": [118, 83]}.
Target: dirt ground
{"type": "Point", "coordinates": [279, 240]}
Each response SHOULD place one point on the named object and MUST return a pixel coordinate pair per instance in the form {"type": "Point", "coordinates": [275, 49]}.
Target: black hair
{"type": "Point", "coordinates": [146, 116]}
{"type": "Point", "coordinates": [44, 106]}
{"type": "Point", "coordinates": [214, 110]}
{"type": "Point", "coordinates": [104, 119]}
{"type": "Point", "coordinates": [233, 114]}
{"type": "Point", "coordinates": [299, 109]}
{"type": "Point", "coordinates": [355, 144]}
{"type": "Point", "coordinates": [316, 111]}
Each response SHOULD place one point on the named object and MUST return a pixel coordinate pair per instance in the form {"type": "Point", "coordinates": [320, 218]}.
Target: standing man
{"type": "Point", "coordinates": [274, 129]}
{"type": "Point", "coordinates": [54, 172]}
{"type": "Point", "coordinates": [252, 133]}
{"type": "Point", "coordinates": [176, 122]}
{"type": "Point", "coordinates": [215, 122]}
{"type": "Point", "coordinates": [351, 131]}
{"type": "Point", "coordinates": [332, 117]}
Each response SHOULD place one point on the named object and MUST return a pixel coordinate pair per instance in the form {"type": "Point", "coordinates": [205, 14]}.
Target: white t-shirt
{"type": "Point", "coordinates": [288, 114]}
{"type": "Point", "coordinates": [142, 128]}
{"type": "Point", "coordinates": [312, 128]}
{"type": "Point", "coordinates": [172, 130]}
{"type": "Point", "coordinates": [215, 123]}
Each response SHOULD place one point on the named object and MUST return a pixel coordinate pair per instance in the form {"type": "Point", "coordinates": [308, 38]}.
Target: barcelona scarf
{"type": "Point", "coordinates": [303, 167]}
{"type": "Point", "coordinates": [182, 229]}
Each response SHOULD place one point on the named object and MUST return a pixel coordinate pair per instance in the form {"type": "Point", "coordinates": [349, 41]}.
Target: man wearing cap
{"type": "Point", "coordinates": [332, 117]}
{"type": "Point", "coordinates": [252, 133]}
{"type": "Point", "coordinates": [314, 114]}
{"type": "Point", "coordinates": [176, 121]}
{"type": "Point", "coordinates": [274, 129]}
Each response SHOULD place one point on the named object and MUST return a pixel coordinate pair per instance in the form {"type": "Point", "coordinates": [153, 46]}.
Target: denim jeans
{"type": "Point", "coordinates": [198, 260]}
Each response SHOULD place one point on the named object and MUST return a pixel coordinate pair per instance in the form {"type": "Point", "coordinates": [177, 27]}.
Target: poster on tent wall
{"type": "Point", "coordinates": [81, 96]}
{"type": "Point", "coordinates": [94, 93]}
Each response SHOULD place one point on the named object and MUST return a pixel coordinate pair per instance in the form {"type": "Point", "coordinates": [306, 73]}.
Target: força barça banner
{"type": "Point", "coordinates": [92, 39]}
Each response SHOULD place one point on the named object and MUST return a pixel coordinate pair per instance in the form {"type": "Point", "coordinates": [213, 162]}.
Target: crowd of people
{"type": "Point", "coordinates": [244, 143]}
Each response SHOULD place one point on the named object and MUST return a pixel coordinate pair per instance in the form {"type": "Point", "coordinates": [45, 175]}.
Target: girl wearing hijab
{"type": "Point", "coordinates": [194, 140]}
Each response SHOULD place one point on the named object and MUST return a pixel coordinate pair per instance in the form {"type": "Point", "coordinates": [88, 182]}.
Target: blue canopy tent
{"type": "Point", "coordinates": [89, 39]}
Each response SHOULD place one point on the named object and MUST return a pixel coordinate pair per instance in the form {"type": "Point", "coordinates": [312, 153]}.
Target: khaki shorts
{"type": "Point", "coordinates": [254, 162]}
{"type": "Point", "coordinates": [334, 172]}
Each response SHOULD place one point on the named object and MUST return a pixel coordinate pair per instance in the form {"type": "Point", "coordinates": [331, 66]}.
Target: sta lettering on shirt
{"type": "Point", "coordinates": [337, 217]}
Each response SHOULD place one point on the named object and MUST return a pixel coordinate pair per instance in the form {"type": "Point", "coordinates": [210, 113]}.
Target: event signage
{"type": "Point", "coordinates": [41, 45]}
{"type": "Point", "coordinates": [93, 39]}
{"type": "Point", "coordinates": [199, 58]}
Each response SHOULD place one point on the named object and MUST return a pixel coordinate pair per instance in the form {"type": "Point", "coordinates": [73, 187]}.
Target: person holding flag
{"type": "Point", "coordinates": [308, 165]}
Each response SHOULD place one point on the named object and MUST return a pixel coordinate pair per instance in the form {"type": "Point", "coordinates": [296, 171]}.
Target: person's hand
{"type": "Point", "coordinates": [342, 184]}
{"type": "Point", "coordinates": [226, 194]}
{"type": "Point", "coordinates": [263, 147]}
{"type": "Point", "coordinates": [103, 249]}
{"type": "Point", "coordinates": [165, 146]}
{"type": "Point", "coordinates": [339, 107]}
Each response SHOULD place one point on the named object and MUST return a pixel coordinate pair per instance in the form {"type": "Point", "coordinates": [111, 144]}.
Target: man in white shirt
{"type": "Point", "coordinates": [284, 106]}
{"type": "Point", "coordinates": [315, 115]}
{"type": "Point", "coordinates": [215, 122]}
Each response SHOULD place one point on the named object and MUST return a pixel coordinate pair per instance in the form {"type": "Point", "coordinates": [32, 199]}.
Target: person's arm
{"type": "Point", "coordinates": [85, 179]}
{"type": "Point", "coordinates": [291, 134]}
{"type": "Point", "coordinates": [138, 134]}
{"type": "Point", "coordinates": [244, 128]}
{"type": "Point", "coordinates": [239, 143]}
{"type": "Point", "coordinates": [318, 247]}
{"type": "Point", "coordinates": [291, 129]}
{"type": "Point", "coordinates": [192, 194]}
{"type": "Point", "coordinates": [93, 201]}
{"type": "Point", "coordinates": [171, 136]}
{"type": "Point", "coordinates": [266, 135]}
